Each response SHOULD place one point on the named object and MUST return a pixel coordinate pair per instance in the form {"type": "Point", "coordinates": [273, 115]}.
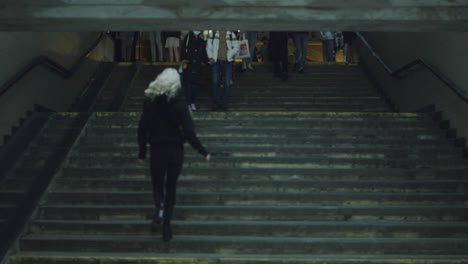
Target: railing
{"type": "Point", "coordinates": [459, 92]}
{"type": "Point", "coordinates": [52, 65]}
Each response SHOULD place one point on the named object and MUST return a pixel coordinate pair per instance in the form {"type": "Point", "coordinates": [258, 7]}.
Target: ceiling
{"type": "Point", "coordinates": [261, 15]}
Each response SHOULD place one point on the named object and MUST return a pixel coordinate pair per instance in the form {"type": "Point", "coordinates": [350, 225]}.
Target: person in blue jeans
{"type": "Point", "coordinates": [328, 45]}
{"type": "Point", "coordinates": [300, 55]}
{"type": "Point", "coordinates": [221, 47]}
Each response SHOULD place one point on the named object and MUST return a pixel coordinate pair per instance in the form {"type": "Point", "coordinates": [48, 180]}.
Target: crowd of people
{"type": "Point", "coordinates": [219, 49]}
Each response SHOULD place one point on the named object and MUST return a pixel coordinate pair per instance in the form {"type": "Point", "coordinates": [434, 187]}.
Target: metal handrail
{"type": "Point", "coordinates": [52, 65]}
{"type": "Point", "coordinates": [442, 77]}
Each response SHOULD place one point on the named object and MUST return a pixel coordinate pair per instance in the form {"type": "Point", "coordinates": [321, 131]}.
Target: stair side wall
{"type": "Point", "coordinates": [419, 88]}
{"type": "Point", "coordinates": [41, 86]}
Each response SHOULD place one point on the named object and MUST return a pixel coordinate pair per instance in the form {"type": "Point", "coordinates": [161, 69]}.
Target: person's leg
{"type": "Point", "coordinates": [188, 88]}
{"type": "Point", "coordinates": [251, 36]}
{"type": "Point", "coordinates": [194, 91]}
{"type": "Point", "coordinates": [227, 70]}
{"type": "Point", "coordinates": [297, 52]}
{"type": "Point", "coordinates": [215, 75]}
{"type": "Point", "coordinates": [158, 168]}
{"type": "Point", "coordinates": [159, 45]}
{"type": "Point", "coordinates": [176, 156]}
{"type": "Point", "coordinates": [331, 50]}
{"type": "Point", "coordinates": [176, 53]}
{"type": "Point", "coordinates": [152, 36]}
{"type": "Point", "coordinates": [171, 54]}
{"type": "Point", "coordinates": [284, 54]}
{"type": "Point", "coordinates": [304, 39]}
{"type": "Point", "coordinates": [324, 50]}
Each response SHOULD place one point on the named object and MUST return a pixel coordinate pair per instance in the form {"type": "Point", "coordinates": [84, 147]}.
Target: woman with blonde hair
{"type": "Point", "coordinates": [166, 124]}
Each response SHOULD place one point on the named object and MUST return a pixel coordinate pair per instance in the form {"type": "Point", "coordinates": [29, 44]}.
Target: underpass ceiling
{"type": "Point", "coordinates": [262, 15]}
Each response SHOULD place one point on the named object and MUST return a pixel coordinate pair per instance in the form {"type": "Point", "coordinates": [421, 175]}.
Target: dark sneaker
{"type": "Point", "coordinates": [167, 231]}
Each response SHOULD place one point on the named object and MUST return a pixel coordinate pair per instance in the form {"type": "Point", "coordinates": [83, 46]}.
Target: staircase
{"type": "Point", "coordinates": [313, 170]}
{"type": "Point", "coordinates": [23, 185]}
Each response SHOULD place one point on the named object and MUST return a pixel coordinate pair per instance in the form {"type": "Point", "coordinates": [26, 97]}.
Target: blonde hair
{"type": "Point", "coordinates": [167, 82]}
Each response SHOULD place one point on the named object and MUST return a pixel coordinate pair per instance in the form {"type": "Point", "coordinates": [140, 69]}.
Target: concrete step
{"type": "Point", "coordinates": [270, 174]}
{"type": "Point", "coordinates": [246, 245]}
{"type": "Point", "coordinates": [286, 116]}
{"type": "Point", "coordinates": [10, 196]}
{"type": "Point", "coordinates": [3, 225]}
{"type": "Point", "coordinates": [226, 150]}
{"type": "Point", "coordinates": [336, 229]}
{"type": "Point", "coordinates": [260, 198]}
{"type": "Point", "coordinates": [311, 162]}
{"type": "Point", "coordinates": [401, 141]}
{"type": "Point", "coordinates": [103, 184]}
{"type": "Point", "coordinates": [266, 118]}
{"type": "Point", "coordinates": [260, 213]}
{"type": "Point", "coordinates": [18, 183]}
{"type": "Point", "coordinates": [285, 125]}
{"type": "Point", "coordinates": [281, 108]}
{"type": "Point", "coordinates": [324, 99]}
{"type": "Point", "coordinates": [152, 258]}
{"type": "Point", "coordinates": [7, 210]}
{"type": "Point", "coordinates": [297, 131]}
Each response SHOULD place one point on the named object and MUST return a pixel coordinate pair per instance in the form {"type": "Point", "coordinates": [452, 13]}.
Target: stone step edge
{"type": "Point", "coordinates": [275, 223]}
{"type": "Point", "coordinates": [464, 208]}
{"type": "Point", "coordinates": [351, 194]}
{"type": "Point", "coordinates": [147, 258]}
{"type": "Point", "coordinates": [258, 113]}
{"type": "Point", "coordinates": [275, 181]}
{"type": "Point", "coordinates": [240, 239]}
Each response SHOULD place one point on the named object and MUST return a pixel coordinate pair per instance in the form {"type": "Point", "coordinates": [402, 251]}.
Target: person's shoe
{"type": "Point", "coordinates": [295, 67]}
{"type": "Point", "coordinates": [301, 69]}
{"type": "Point", "coordinates": [158, 215]}
{"type": "Point", "coordinates": [249, 66]}
{"type": "Point", "coordinates": [167, 231]}
{"type": "Point", "coordinates": [244, 66]}
{"type": "Point", "coordinates": [193, 107]}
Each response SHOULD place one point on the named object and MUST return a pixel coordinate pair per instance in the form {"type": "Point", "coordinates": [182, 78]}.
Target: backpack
{"type": "Point", "coordinates": [339, 40]}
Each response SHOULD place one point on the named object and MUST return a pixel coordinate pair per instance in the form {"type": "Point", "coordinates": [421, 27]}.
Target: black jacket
{"type": "Point", "coordinates": [194, 49]}
{"type": "Point", "coordinates": [166, 121]}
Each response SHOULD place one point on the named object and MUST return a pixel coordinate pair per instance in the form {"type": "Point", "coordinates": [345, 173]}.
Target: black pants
{"type": "Point", "coordinates": [166, 165]}
{"type": "Point", "coordinates": [279, 51]}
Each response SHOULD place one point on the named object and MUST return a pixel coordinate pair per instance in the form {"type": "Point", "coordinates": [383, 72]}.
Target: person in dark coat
{"type": "Point", "coordinates": [193, 57]}
{"type": "Point", "coordinates": [166, 124]}
{"type": "Point", "coordinates": [279, 53]}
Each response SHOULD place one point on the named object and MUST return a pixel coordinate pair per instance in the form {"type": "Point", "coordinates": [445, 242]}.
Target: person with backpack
{"type": "Point", "coordinates": [166, 124]}
{"type": "Point", "coordinates": [221, 47]}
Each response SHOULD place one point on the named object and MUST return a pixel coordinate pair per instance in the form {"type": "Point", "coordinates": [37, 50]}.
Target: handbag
{"type": "Point", "coordinates": [244, 51]}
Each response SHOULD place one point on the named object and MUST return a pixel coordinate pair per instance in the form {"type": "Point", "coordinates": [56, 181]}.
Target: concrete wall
{"type": "Point", "coordinates": [420, 88]}
{"type": "Point", "coordinates": [42, 86]}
